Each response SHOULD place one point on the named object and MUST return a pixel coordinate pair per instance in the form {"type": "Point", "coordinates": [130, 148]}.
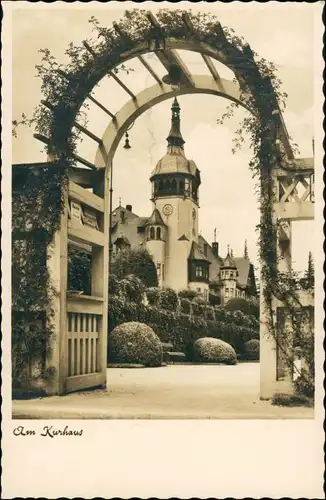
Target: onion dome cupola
{"type": "Point", "coordinates": [228, 269]}
{"type": "Point", "coordinates": [155, 227]}
{"type": "Point", "coordinates": [174, 174]}
{"type": "Point", "coordinates": [198, 265]}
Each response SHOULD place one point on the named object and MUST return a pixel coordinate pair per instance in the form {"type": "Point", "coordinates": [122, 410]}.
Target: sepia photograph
{"type": "Point", "coordinates": [163, 223]}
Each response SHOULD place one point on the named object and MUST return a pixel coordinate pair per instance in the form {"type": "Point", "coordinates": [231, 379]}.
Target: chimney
{"type": "Point", "coordinates": [215, 248]}
{"type": "Point", "coordinates": [205, 249]}
{"type": "Point", "coordinates": [129, 208]}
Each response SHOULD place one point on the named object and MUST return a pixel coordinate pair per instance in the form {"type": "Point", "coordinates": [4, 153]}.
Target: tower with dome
{"type": "Point", "coordinates": [183, 258]}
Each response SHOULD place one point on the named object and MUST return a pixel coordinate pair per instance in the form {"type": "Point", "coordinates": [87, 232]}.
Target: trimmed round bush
{"type": "Point", "coordinates": [210, 350]}
{"type": "Point", "coordinates": [135, 342]}
{"type": "Point", "coordinates": [251, 349]}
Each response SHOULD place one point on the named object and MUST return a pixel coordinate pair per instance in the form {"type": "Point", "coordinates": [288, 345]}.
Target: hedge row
{"type": "Point", "coordinates": [132, 289]}
{"type": "Point", "coordinates": [181, 329]}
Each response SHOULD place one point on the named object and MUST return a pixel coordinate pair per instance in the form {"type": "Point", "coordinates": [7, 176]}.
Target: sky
{"type": "Point", "coordinates": [280, 32]}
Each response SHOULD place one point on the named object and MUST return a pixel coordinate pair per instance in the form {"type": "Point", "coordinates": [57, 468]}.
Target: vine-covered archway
{"type": "Point", "coordinates": [66, 90]}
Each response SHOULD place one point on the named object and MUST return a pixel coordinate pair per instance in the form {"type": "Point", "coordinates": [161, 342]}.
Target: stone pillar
{"type": "Point", "coordinates": [274, 374]}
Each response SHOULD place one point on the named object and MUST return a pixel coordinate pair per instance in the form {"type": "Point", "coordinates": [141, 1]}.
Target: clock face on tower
{"type": "Point", "coordinates": [167, 209]}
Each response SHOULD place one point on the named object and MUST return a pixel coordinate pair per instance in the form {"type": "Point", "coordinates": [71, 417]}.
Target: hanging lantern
{"type": "Point", "coordinates": [127, 145]}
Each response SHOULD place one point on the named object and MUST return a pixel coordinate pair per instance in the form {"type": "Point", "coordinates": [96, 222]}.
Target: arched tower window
{"type": "Point", "coordinates": [174, 186]}
{"type": "Point", "coordinates": [152, 233]}
{"type": "Point", "coordinates": [158, 233]}
{"type": "Point", "coordinates": [181, 186]}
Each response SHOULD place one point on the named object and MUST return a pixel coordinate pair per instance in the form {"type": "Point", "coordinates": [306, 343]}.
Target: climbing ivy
{"type": "Point", "coordinates": [37, 204]}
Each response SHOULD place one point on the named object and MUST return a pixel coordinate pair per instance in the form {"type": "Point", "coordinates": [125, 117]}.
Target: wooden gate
{"type": "Point", "coordinates": [83, 331]}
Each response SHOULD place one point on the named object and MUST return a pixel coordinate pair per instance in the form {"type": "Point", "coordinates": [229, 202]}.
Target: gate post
{"type": "Point", "coordinates": [100, 264]}
{"type": "Point", "coordinates": [57, 263]}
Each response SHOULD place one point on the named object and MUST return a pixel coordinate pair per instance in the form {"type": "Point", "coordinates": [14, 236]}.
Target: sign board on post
{"type": "Point", "coordinates": [90, 218]}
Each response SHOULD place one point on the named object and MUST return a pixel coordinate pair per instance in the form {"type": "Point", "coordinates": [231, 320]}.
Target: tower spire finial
{"type": "Point", "coordinates": [175, 137]}
{"type": "Point", "coordinates": [245, 254]}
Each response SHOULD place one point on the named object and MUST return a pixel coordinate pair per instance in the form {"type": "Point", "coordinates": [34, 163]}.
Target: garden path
{"type": "Point", "coordinates": [170, 392]}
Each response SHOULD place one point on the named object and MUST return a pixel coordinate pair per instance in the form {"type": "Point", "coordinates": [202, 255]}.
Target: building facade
{"type": "Point", "coordinates": [183, 258]}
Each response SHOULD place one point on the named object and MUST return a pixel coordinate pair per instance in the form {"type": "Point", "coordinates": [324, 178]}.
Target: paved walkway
{"type": "Point", "coordinates": [170, 392]}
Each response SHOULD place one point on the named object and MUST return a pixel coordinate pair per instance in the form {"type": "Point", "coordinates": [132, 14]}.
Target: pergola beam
{"type": "Point", "coordinates": [103, 108]}
{"type": "Point", "coordinates": [88, 133]}
{"type": "Point", "coordinates": [150, 69]}
{"type": "Point", "coordinates": [169, 57]}
{"type": "Point", "coordinates": [77, 125]}
{"type": "Point", "coordinates": [207, 59]}
{"type": "Point", "coordinates": [111, 73]}
{"type": "Point", "coordinates": [46, 141]}
{"type": "Point", "coordinates": [212, 69]}
{"type": "Point", "coordinates": [125, 88]}
{"type": "Point", "coordinates": [89, 96]}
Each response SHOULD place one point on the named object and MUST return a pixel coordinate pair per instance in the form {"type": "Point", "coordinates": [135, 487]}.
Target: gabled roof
{"type": "Point", "coordinates": [122, 239]}
{"type": "Point", "coordinates": [155, 218]}
{"type": "Point", "coordinates": [196, 253]}
{"type": "Point", "coordinates": [229, 262]}
{"type": "Point", "coordinates": [243, 268]}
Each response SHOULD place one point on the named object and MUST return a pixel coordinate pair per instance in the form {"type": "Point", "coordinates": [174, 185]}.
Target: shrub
{"type": "Point", "coordinates": [239, 318]}
{"type": "Point", "coordinates": [231, 333]}
{"type": "Point", "coordinates": [244, 305]}
{"type": "Point", "coordinates": [161, 322]}
{"type": "Point", "coordinates": [113, 285]}
{"type": "Point", "coordinates": [191, 328]}
{"type": "Point", "coordinates": [135, 342]}
{"type": "Point", "coordinates": [137, 261]}
{"type": "Point", "coordinates": [185, 306]}
{"type": "Point", "coordinates": [209, 313]}
{"type": "Point", "coordinates": [251, 350]}
{"type": "Point", "coordinates": [215, 351]}
{"type": "Point", "coordinates": [121, 311]}
{"type": "Point", "coordinates": [79, 270]}
{"type": "Point", "coordinates": [188, 294]}
{"type": "Point", "coordinates": [214, 300]}
{"type": "Point", "coordinates": [305, 385]}
{"type": "Point", "coordinates": [153, 295]}
{"type": "Point", "coordinates": [220, 313]}
{"type": "Point", "coordinates": [198, 308]}
{"type": "Point", "coordinates": [291, 400]}
{"type": "Point", "coordinates": [132, 288]}
{"type": "Point", "coordinates": [169, 299]}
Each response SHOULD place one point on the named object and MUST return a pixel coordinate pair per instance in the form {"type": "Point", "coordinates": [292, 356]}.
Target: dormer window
{"type": "Point", "coordinates": [158, 233]}
{"type": "Point", "coordinates": [152, 233]}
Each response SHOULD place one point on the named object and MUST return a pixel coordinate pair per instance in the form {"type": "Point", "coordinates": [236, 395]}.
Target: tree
{"type": "Point", "coordinates": [248, 307]}
{"type": "Point", "coordinates": [137, 262]}
{"type": "Point", "coordinates": [308, 281]}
